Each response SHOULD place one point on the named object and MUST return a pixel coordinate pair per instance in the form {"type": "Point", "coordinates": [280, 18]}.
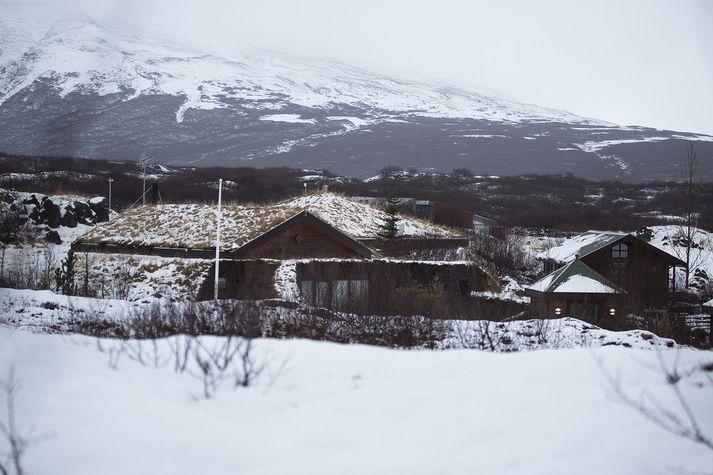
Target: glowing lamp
{"type": "Point", "coordinates": [612, 312]}
{"type": "Point", "coordinates": [558, 311]}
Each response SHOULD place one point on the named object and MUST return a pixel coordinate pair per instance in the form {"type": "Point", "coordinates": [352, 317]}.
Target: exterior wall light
{"type": "Point", "coordinates": [558, 311]}
{"type": "Point", "coordinates": [612, 312]}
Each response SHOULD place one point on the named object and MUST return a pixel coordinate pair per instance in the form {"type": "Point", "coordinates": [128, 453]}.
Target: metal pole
{"type": "Point", "coordinates": [217, 243]}
{"type": "Point", "coordinates": [143, 197]}
{"type": "Point", "coordinates": [110, 180]}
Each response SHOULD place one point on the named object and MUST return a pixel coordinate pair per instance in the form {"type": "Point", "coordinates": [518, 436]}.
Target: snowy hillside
{"type": "Point", "coordinates": [84, 55]}
{"type": "Point", "coordinates": [69, 86]}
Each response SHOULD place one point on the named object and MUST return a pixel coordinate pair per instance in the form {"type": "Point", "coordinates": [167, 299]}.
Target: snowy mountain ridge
{"type": "Point", "coordinates": [72, 87]}
{"type": "Point", "coordinates": [83, 55]}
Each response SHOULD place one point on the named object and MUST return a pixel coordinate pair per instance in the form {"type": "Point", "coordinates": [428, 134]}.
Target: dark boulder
{"type": "Point", "coordinates": [100, 207]}
{"type": "Point", "coordinates": [7, 197]}
{"type": "Point", "coordinates": [84, 212]}
{"type": "Point", "coordinates": [50, 214]}
{"type": "Point", "coordinates": [53, 237]}
{"type": "Point", "coordinates": [32, 200]}
{"type": "Point", "coordinates": [33, 213]}
{"type": "Point", "coordinates": [69, 218]}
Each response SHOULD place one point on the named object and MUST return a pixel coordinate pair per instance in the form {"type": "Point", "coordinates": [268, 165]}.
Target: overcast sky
{"type": "Point", "coordinates": [644, 62]}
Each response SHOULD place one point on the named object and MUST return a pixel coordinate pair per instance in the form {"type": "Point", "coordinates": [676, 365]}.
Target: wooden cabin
{"type": "Point", "coordinates": [325, 250]}
{"type": "Point", "coordinates": [623, 261]}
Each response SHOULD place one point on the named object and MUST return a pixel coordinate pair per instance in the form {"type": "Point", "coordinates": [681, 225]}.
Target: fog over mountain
{"type": "Point", "coordinates": [70, 85]}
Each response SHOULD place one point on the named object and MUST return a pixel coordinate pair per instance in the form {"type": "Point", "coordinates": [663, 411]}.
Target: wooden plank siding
{"type": "Point", "coordinates": [441, 290]}
{"type": "Point", "coordinates": [644, 273]}
{"type": "Point", "coordinates": [244, 280]}
{"type": "Point", "coordinates": [374, 287]}
{"type": "Point", "coordinates": [588, 307]}
{"type": "Point", "coordinates": [301, 240]}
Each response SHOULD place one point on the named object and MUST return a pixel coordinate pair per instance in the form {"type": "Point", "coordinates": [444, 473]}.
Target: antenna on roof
{"type": "Point", "coordinates": [143, 159]}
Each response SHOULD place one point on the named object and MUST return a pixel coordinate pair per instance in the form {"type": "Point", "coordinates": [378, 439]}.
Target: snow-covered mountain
{"type": "Point", "coordinates": [69, 86]}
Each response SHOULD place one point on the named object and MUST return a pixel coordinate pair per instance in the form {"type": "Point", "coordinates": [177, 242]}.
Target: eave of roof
{"type": "Point", "coordinates": [608, 238]}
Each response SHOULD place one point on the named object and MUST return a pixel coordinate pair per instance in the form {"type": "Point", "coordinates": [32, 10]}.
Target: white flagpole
{"type": "Point", "coordinates": [110, 180]}
{"type": "Point", "coordinates": [217, 243]}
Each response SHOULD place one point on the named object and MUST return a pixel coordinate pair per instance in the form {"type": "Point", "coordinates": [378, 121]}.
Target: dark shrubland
{"type": "Point", "coordinates": [556, 202]}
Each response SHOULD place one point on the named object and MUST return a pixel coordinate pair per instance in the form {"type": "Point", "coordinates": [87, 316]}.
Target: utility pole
{"type": "Point", "coordinates": [217, 244]}
{"type": "Point", "coordinates": [110, 180]}
{"type": "Point", "coordinates": [144, 158]}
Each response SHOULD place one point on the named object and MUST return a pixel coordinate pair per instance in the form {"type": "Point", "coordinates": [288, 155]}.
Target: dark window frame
{"type": "Point", "coordinates": [620, 251]}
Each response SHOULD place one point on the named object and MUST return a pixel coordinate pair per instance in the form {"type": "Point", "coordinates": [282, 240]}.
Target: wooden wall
{"type": "Point", "coordinates": [579, 306]}
{"type": "Point", "coordinates": [644, 274]}
{"type": "Point", "coordinates": [404, 288]}
{"type": "Point", "coordinates": [301, 241]}
{"type": "Point", "coordinates": [244, 280]}
{"type": "Point", "coordinates": [403, 246]}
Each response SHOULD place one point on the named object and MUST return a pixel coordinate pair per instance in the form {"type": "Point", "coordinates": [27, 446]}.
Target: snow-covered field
{"type": "Point", "coordinates": [326, 408]}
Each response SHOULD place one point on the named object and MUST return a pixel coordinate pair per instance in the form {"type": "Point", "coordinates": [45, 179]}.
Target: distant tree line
{"type": "Point", "coordinates": [556, 202]}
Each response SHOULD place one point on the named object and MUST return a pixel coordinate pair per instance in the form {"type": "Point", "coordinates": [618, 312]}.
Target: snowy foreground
{"type": "Point", "coordinates": [330, 408]}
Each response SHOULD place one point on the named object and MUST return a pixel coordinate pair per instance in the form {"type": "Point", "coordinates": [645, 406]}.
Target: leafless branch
{"type": "Point", "coordinates": [665, 416]}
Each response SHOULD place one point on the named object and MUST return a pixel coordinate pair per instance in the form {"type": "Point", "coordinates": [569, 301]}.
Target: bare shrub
{"type": "Point", "coordinates": [483, 335]}
{"type": "Point", "coordinates": [35, 272]}
{"type": "Point", "coordinates": [391, 331]}
{"type": "Point", "coordinates": [18, 441]}
{"type": "Point", "coordinates": [228, 358]}
{"type": "Point", "coordinates": [679, 418]}
{"type": "Point", "coordinates": [501, 256]}
{"type": "Point", "coordinates": [512, 335]}
{"type": "Point", "coordinates": [210, 360]}
{"type": "Point", "coordinates": [11, 222]}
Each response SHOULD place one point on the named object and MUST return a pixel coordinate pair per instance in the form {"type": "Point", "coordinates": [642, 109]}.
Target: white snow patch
{"type": "Point", "coordinates": [568, 250]}
{"type": "Point", "coordinates": [286, 281]}
{"type": "Point", "coordinates": [289, 118]}
{"type": "Point", "coordinates": [594, 146]}
{"type": "Point", "coordinates": [511, 290]}
{"type": "Point", "coordinates": [483, 136]}
{"type": "Point", "coordinates": [583, 284]}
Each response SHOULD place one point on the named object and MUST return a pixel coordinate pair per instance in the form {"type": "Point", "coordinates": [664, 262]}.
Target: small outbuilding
{"type": "Point", "coordinates": [576, 290]}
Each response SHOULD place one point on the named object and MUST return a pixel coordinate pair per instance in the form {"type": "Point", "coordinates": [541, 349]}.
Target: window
{"type": "Point", "coordinates": [321, 294]}
{"type": "Point", "coordinates": [359, 291]}
{"type": "Point", "coordinates": [307, 289]}
{"type": "Point", "coordinates": [620, 251]}
{"type": "Point", "coordinates": [340, 294]}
